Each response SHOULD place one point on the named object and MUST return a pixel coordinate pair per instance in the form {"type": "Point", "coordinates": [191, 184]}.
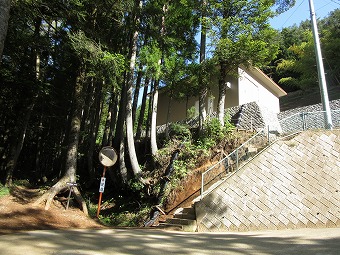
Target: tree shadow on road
{"type": "Point", "coordinates": [155, 242]}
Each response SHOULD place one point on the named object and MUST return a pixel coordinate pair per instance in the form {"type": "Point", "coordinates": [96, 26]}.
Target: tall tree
{"type": "Point", "coordinates": [142, 110]}
{"type": "Point", "coordinates": [129, 119]}
{"type": "Point", "coordinates": [23, 121]}
{"type": "Point", "coordinates": [203, 85]}
{"type": "Point", "coordinates": [89, 55]}
{"type": "Point", "coordinates": [4, 17]}
{"type": "Point", "coordinates": [153, 135]}
{"type": "Point", "coordinates": [242, 36]}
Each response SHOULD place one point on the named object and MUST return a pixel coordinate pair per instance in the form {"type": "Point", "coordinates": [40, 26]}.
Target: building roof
{"type": "Point", "coordinates": [267, 82]}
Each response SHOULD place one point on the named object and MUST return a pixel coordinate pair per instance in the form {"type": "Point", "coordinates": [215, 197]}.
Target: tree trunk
{"type": "Point", "coordinates": [4, 17]}
{"type": "Point", "coordinates": [105, 139]}
{"type": "Point", "coordinates": [120, 135]}
{"type": "Point", "coordinates": [129, 119]}
{"type": "Point", "coordinates": [72, 151]}
{"type": "Point", "coordinates": [148, 125]}
{"type": "Point", "coordinates": [89, 96]}
{"type": "Point", "coordinates": [142, 110]}
{"type": "Point", "coordinates": [203, 91]}
{"type": "Point", "coordinates": [138, 84]}
{"type": "Point", "coordinates": [222, 84]}
{"type": "Point", "coordinates": [16, 146]}
{"type": "Point", "coordinates": [167, 136]}
{"type": "Point", "coordinates": [95, 119]}
{"type": "Point", "coordinates": [114, 116]}
{"type": "Point", "coordinates": [22, 125]}
{"type": "Point", "coordinates": [110, 121]}
{"type": "Point", "coordinates": [136, 96]}
{"type": "Point", "coordinates": [38, 169]}
{"type": "Point", "coordinates": [153, 135]}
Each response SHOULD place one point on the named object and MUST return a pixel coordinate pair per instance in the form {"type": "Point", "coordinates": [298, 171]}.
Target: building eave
{"type": "Point", "coordinates": [266, 81]}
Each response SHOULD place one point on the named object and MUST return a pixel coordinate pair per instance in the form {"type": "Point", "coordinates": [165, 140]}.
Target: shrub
{"type": "Point", "coordinates": [179, 131]}
{"type": "Point", "coordinates": [214, 132]}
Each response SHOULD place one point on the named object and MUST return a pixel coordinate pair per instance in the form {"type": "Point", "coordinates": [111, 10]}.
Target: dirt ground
{"type": "Point", "coordinates": [17, 213]}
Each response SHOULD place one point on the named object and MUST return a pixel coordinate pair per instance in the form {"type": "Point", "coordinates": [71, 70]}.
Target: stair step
{"type": "Point", "coordinates": [185, 216]}
{"type": "Point", "coordinates": [177, 224]}
{"type": "Point", "coordinates": [189, 210]}
{"type": "Point", "coordinates": [179, 221]}
{"type": "Point", "coordinates": [168, 226]}
{"type": "Point", "coordinates": [185, 213]}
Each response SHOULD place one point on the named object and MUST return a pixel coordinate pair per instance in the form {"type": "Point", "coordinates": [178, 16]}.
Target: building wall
{"type": "Point", "coordinates": [178, 108]}
{"type": "Point", "coordinates": [243, 90]}
{"type": "Point", "coordinates": [251, 90]}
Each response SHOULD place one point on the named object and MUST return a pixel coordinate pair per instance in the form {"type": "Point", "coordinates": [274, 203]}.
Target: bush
{"type": "Point", "coordinates": [179, 131]}
{"type": "Point", "coordinates": [214, 132]}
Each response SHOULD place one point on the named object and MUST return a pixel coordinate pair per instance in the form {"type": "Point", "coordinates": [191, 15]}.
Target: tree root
{"type": "Point", "coordinates": [60, 186]}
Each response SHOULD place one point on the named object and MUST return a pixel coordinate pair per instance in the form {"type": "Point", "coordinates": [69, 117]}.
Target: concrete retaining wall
{"type": "Point", "coordinates": [292, 184]}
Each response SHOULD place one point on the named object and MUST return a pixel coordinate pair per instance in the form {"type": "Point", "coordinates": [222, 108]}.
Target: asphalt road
{"type": "Point", "coordinates": [157, 242]}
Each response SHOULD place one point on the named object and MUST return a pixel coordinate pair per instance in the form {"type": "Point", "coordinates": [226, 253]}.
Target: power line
{"type": "Point", "coordinates": [323, 6]}
{"type": "Point", "coordinates": [293, 13]}
{"type": "Point", "coordinates": [337, 2]}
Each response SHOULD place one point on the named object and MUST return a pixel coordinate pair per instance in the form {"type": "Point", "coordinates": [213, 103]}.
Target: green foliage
{"type": "Point", "coordinates": [126, 218]}
{"type": "Point", "coordinates": [330, 43]}
{"type": "Point", "coordinates": [242, 35]}
{"type": "Point", "coordinates": [179, 132]}
{"type": "Point", "coordinates": [136, 186]}
{"type": "Point", "coordinates": [296, 70]}
{"type": "Point", "coordinates": [4, 191]}
{"type": "Point", "coordinates": [181, 170]}
{"type": "Point", "coordinates": [101, 63]}
{"type": "Point", "coordinates": [214, 132]}
{"type": "Point", "coordinates": [284, 5]}
{"type": "Point", "coordinates": [296, 63]}
{"type": "Point", "coordinates": [214, 129]}
{"type": "Point", "coordinates": [191, 112]}
{"type": "Point", "coordinates": [150, 56]}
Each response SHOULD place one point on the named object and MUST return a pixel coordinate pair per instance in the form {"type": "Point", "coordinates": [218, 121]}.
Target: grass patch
{"type": "Point", "coordinates": [126, 219]}
{"type": "Point", "coordinates": [4, 191]}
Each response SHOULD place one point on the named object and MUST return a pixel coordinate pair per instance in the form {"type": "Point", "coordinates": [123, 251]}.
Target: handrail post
{"type": "Point", "coordinates": [202, 186]}
{"type": "Point", "coordinates": [304, 126]}
{"type": "Point", "coordinates": [268, 136]}
{"type": "Point", "coordinates": [237, 159]}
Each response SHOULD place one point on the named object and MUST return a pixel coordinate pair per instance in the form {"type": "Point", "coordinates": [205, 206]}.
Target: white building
{"type": "Point", "coordinates": [251, 85]}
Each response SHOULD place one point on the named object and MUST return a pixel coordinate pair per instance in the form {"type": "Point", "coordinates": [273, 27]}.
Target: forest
{"type": "Point", "coordinates": [79, 75]}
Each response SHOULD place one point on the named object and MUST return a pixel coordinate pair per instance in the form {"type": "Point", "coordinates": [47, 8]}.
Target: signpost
{"type": "Point", "coordinates": [107, 157]}
{"type": "Point", "coordinates": [71, 185]}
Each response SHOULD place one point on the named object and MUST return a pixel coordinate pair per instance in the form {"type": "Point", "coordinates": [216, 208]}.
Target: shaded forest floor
{"type": "Point", "coordinates": [17, 213]}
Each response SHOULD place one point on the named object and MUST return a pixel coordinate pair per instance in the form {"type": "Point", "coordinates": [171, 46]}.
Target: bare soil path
{"type": "Point", "coordinates": [17, 213]}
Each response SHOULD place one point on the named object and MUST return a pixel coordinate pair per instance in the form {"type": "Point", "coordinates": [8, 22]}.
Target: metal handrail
{"type": "Point", "coordinates": [236, 151]}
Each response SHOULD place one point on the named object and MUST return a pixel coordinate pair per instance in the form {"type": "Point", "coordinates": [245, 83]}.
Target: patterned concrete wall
{"type": "Point", "coordinates": [334, 105]}
{"type": "Point", "coordinates": [292, 184]}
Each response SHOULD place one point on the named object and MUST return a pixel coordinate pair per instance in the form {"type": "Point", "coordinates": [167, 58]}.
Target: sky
{"type": "Point", "coordinates": [300, 12]}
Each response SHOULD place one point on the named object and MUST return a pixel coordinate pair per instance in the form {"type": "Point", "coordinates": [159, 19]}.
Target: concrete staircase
{"type": "Point", "coordinates": [183, 219]}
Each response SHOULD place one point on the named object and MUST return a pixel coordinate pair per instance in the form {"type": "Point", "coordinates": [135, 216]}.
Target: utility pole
{"type": "Point", "coordinates": [321, 71]}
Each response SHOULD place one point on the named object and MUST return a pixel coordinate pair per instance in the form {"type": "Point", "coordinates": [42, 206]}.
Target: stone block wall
{"type": "Point", "coordinates": [292, 184]}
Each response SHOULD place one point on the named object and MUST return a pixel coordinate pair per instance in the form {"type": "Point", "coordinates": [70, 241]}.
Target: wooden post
{"type": "Point", "coordinates": [70, 184]}
{"type": "Point", "coordinates": [101, 190]}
